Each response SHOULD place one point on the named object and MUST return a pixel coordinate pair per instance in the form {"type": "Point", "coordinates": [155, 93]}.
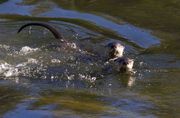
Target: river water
{"type": "Point", "coordinates": [38, 80]}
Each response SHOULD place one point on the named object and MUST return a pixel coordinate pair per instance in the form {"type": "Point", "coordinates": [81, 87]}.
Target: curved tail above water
{"type": "Point", "coordinates": [56, 34]}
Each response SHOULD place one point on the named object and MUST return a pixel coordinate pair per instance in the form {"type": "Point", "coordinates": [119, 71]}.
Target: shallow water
{"type": "Point", "coordinates": [37, 80]}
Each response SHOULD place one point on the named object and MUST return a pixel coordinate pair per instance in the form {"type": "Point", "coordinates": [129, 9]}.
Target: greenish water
{"type": "Point", "coordinates": [68, 83]}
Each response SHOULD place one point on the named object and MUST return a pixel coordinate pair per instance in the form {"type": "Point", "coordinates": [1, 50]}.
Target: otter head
{"type": "Point", "coordinates": [124, 64]}
{"type": "Point", "coordinates": [115, 50]}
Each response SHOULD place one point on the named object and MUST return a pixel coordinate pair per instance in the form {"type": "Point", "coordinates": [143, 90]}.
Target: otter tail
{"type": "Point", "coordinates": [56, 34]}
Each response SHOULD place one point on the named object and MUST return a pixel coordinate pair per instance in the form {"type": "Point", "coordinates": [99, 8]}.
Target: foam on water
{"type": "Point", "coordinates": [87, 77]}
{"type": "Point", "coordinates": [32, 66]}
{"type": "Point", "coordinates": [55, 61]}
{"type": "Point", "coordinates": [26, 50]}
{"type": "Point", "coordinates": [10, 50]}
{"type": "Point", "coordinates": [3, 46]}
{"type": "Point", "coordinates": [9, 70]}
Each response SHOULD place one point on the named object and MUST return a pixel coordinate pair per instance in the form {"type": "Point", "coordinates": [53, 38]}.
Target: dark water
{"type": "Point", "coordinates": [46, 82]}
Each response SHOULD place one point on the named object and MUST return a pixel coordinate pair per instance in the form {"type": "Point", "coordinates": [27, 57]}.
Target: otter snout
{"type": "Point", "coordinates": [115, 50]}
{"type": "Point", "coordinates": [124, 64]}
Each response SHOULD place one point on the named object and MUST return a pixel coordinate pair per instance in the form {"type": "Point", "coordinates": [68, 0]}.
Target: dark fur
{"type": "Point", "coordinates": [56, 34]}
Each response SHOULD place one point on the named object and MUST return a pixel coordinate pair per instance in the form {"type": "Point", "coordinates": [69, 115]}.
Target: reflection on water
{"type": "Point", "coordinates": [9, 99]}
{"type": "Point", "coordinates": [73, 100]}
{"type": "Point", "coordinates": [141, 37]}
{"type": "Point", "coordinates": [136, 35]}
{"type": "Point", "coordinates": [72, 82]}
{"type": "Point", "coordinates": [13, 8]}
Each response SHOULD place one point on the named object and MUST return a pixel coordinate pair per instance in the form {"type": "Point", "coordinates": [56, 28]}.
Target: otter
{"type": "Point", "coordinates": [124, 64]}
{"type": "Point", "coordinates": [115, 50]}
{"type": "Point", "coordinates": [121, 63]}
{"type": "Point", "coordinates": [115, 53]}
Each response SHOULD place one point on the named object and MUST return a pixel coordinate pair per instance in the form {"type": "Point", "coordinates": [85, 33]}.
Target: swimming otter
{"type": "Point", "coordinates": [122, 64]}
{"type": "Point", "coordinates": [115, 50]}
{"type": "Point", "coordinates": [115, 53]}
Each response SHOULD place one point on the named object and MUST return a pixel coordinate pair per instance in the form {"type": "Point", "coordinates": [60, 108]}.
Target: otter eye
{"type": "Point", "coordinates": [124, 63]}
{"type": "Point", "coordinates": [112, 46]}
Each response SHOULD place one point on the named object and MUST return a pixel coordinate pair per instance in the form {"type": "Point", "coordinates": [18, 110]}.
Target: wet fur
{"type": "Point", "coordinates": [56, 34]}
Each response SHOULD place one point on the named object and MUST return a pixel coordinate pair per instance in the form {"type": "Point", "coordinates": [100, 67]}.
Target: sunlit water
{"type": "Point", "coordinates": [40, 77]}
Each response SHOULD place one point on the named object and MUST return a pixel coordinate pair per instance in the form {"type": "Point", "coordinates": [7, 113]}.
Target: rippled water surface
{"type": "Point", "coordinates": [39, 77]}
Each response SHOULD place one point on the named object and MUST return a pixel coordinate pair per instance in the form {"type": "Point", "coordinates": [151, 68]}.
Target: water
{"type": "Point", "coordinates": [39, 80]}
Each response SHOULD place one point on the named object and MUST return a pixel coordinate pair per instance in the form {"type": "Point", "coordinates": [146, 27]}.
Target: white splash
{"type": "Point", "coordinates": [6, 47]}
{"type": "Point", "coordinates": [70, 77]}
{"type": "Point", "coordinates": [55, 61]}
{"type": "Point", "coordinates": [72, 45]}
{"type": "Point", "coordinates": [8, 70]}
{"type": "Point", "coordinates": [87, 77]}
{"type": "Point", "coordinates": [32, 61]}
{"type": "Point", "coordinates": [26, 50]}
